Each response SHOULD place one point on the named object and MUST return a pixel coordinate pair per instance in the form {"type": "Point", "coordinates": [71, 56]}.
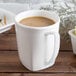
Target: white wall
{"type": "Point", "coordinates": [29, 1]}
{"type": "Point", "coordinates": [24, 1]}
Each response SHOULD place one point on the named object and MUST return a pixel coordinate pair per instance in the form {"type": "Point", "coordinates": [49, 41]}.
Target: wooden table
{"type": "Point", "coordinates": [10, 65]}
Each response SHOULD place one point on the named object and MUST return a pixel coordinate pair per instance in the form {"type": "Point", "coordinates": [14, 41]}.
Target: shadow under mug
{"type": "Point", "coordinates": [38, 47]}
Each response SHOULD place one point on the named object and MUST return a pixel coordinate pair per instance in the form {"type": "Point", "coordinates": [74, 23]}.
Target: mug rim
{"type": "Point", "coordinates": [30, 27]}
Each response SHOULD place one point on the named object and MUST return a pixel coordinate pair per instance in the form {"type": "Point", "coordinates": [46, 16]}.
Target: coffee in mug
{"type": "Point", "coordinates": [37, 21]}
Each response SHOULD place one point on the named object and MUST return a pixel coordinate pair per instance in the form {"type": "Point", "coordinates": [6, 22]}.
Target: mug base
{"type": "Point", "coordinates": [37, 69]}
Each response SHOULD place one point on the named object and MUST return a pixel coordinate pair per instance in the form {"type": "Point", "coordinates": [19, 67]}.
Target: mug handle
{"type": "Point", "coordinates": [52, 43]}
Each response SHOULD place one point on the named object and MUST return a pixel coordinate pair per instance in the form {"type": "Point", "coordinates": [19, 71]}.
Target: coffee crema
{"type": "Point", "coordinates": [37, 21]}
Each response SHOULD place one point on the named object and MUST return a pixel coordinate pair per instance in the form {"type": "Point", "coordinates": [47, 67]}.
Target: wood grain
{"type": "Point", "coordinates": [10, 74]}
{"type": "Point", "coordinates": [65, 63]}
{"type": "Point", "coordinates": [49, 74]}
{"type": "Point", "coordinates": [8, 42]}
{"type": "Point", "coordinates": [37, 74]}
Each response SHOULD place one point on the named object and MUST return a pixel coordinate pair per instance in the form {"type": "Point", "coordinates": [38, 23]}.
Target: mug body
{"type": "Point", "coordinates": [38, 47]}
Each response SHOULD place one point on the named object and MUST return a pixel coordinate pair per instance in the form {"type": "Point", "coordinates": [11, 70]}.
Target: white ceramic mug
{"type": "Point", "coordinates": [38, 47]}
{"type": "Point", "coordinates": [73, 40]}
